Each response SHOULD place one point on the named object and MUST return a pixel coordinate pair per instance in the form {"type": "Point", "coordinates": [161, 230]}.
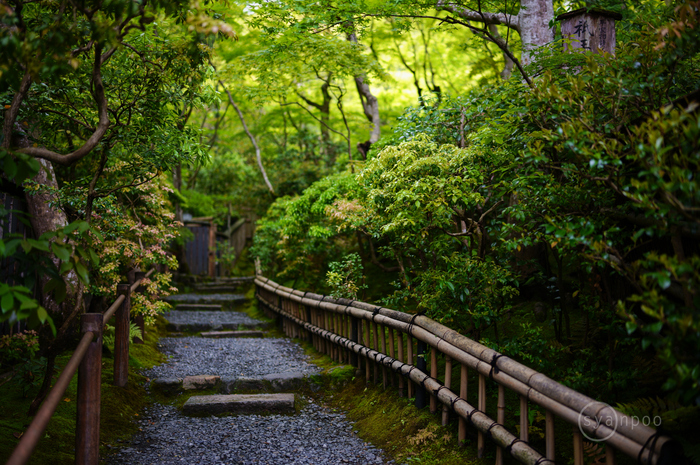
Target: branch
{"type": "Point", "coordinates": [102, 126]}
{"type": "Point", "coordinates": [313, 116]}
{"type": "Point", "coordinates": [502, 19]}
{"type": "Point", "coordinates": [250, 136]}
{"type": "Point", "coordinates": [13, 111]}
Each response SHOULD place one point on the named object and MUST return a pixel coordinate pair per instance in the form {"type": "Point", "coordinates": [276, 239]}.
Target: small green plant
{"type": "Point", "coordinates": [18, 351]}
{"type": "Point", "coordinates": [18, 347]}
{"type": "Point", "coordinates": [109, 333]}
{"type": "Point", "coordinates": [345, 277]}
{"type": "Point", "coordinates": [227, 257]}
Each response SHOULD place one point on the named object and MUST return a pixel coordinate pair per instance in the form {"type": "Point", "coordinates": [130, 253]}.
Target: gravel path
{"type": "Point", "coordinates": [314, 436]}
{"type": "Point", "coordinates": [230, 358]}
{"type": "Point", "coordinates": [215, 318]}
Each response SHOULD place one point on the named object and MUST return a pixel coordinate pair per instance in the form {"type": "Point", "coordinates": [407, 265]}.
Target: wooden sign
{"type": "Point", "coordinates": [589, 29]}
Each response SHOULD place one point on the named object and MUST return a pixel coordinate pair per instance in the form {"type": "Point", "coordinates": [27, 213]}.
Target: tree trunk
{"type": "Point", "coordinates": [370, 106]}
{"type": "Point", "coordinates": [46, 218]}
{"type": "Point", "coordinates": [534, 18]}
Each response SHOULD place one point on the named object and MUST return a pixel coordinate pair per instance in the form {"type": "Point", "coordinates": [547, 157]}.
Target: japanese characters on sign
{"type": "Point", "coordinates": [589, 30]}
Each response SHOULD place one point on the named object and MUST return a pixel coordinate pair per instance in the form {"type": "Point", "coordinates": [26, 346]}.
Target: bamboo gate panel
{"type": "Point", "coordinates": [87, 361]}
{"type": "Point", "coordinates": [357, 333]}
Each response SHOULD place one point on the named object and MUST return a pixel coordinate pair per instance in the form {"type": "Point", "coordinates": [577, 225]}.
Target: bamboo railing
{"type": "Point", "coordinates": [357, 333]}
{"type": "Point", "coordinates": [87, 360]}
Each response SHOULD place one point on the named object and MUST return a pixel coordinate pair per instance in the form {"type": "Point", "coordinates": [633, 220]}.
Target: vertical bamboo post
{"type": "Point", "coordinates": [448, 383]}
{"type": "Point", "coordinates": [347, 333]}
{"type": "Point", "coordinates": [331, 328]}
{"type": "Point", "coordinates": [354, 333]}
{"type": "Point", "coordinates": [501, 419]}
{"type": "Point", "coordinates": [87, 428]}
{"type": "Point", "coordinates": [317, 323]}
{"type": "Point", "coordinates": [410, 361]}
{"type": "Point", "coordinates": [309, 334]}
{"type": "Point", "coordinates": [578, 446]}
{"type": "Point", "coordinates": [421, 365]}
{"type": "Point", "coordinates": [399, 335]}
{"type": "Point", "coordinates": [138, 319]}
{"type": "Point", "coordinates": [482, 407]}
{"type": "Point", "coordinates": [326, 325]}
{"type": "Point", "coordinates": [383, 339]}
{"type": "Point", "coordinates": [375, 337]}
{"type": "Point", "coordinates": [524, 420]}
{"type": "Point", "coordinates": [433, 374]}
{"type": "Point", "coordinates": [463, 384]}
{"type": "Point", "coordinates": [367, 344]}
{"type": "Point", "coordinates": [549, 434]}
{"type": "Point", "coordinates": [121, 337]}
{"type": "Point", "coordinates": [609, 455]}
{"type": "Point", "coordinates": [392, 354]}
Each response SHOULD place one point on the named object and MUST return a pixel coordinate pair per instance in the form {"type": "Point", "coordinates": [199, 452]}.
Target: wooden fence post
{"type": "Point", "coordinates": [87, 429]}
{"type": "Point", "coordinates": [354, 360]}
{"type": "Point", "coordinates": [121, 337]}
{"type": "Point", "coordinates": [421, 365]}
{"type": "Point", "coordinates": [433, 374]}
{"type": "Point", "coordinates": [309, 334]}
{"type": "Point", "coordinates": [462, 423]}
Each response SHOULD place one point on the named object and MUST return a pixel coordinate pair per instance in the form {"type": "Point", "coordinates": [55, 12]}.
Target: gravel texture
{"type": "Point", "coordinates": [210, 318]}
{"type": "Point", "coordinates": [230, 358]}
{"type": "Point", "coordinates": [315, 436]}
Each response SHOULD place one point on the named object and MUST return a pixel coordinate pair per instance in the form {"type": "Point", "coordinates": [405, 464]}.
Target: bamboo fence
{"type": "Point", "coordinates": [357, 333]}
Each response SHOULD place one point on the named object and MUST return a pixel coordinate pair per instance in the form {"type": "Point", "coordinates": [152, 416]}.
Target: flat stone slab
{"type": "Point", "coordinates": [195, 307]}
{"type": "Point", "coordinates": [228, 281]}
{"type": "Point", "coordinates": [167, 385]}
{"type": "Point", "coordinates": [217, 289]}
{"type": "Point", "coordinates": [191, 383]}
{"type": "Point", "coordinates": [218, 334]}
{"type": "Point", "coordinates": [274, 382]}
{"type": "Point", "coordinates": [239, 404]}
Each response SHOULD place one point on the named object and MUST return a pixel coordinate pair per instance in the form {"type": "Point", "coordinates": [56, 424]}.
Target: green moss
{"type": "Point", "coordinates": [120, 407]}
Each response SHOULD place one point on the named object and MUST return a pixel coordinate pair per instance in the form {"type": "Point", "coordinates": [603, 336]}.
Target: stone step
{"type": "Point", "coordinates": [199, 307]}
{"type": "Point", "coordinates": [220, 334]}
{"type": "Point", "coordinates": [188, 383]}
{"type": "Point", "coordinates": [275, 382]}
{"type": "Point", "coordinates": [217, 289]}
{"type": "Point", "coordinates": [239, 404]}
{"type": "Point", "coordinates": [228, 281]}
{"type": "Point", "coordinates": [206, 327]}
{"type": "Point", "coordinates": [226, 301]}
{"type": "Point", "coordinates": [203, 320]}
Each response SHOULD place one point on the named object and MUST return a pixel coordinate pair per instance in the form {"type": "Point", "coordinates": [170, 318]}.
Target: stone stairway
{"type": "Point", "coordinates": [211, 314]}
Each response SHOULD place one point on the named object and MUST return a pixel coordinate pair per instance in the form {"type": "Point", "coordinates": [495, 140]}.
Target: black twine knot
{"type": "Point", "coordinates": [651, 445]}
{"type": "Point", "coordinates": [494, 367]}
{"type": "Point", "coordinates": [509, 447]}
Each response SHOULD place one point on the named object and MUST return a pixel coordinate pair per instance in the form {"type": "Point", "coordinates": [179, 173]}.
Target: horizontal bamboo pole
{"type": "Point", "coordinates": [113, 308]}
